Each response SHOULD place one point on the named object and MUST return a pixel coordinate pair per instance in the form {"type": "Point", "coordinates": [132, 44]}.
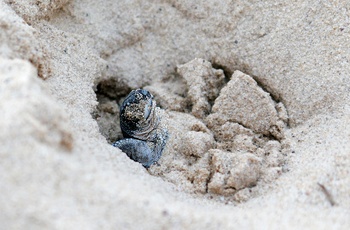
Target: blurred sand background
{"type": "Point", "coordinates": [63, 62]}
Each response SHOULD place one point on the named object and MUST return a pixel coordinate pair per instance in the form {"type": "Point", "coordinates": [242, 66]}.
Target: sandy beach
{"type": "Point", "coordinates": [255, 97]}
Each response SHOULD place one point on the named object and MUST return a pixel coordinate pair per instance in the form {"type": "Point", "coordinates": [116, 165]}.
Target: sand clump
{"type": "Point", "coordinates": [203, 83]}
{"type": "Point", "coordinates": [225, 137]}
{"type": "Point", "coordinates": [223, 148]}
{"type": "Point", "coordinates": [33, 10]}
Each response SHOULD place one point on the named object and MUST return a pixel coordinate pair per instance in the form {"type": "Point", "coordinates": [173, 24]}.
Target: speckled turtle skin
{"type": "Point", "coordinates": [145, 139]}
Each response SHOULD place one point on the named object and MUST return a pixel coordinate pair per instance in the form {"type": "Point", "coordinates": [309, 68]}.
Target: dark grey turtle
{"type": "Point", "coordinates": [139, 121]}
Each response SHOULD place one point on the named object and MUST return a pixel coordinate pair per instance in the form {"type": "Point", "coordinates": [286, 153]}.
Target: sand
{"type": "Point", "coordinates": [255, 97]}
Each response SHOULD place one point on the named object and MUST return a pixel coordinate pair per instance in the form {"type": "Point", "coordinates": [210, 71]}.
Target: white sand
{"type": "Point", "coordinates": [58, 172]}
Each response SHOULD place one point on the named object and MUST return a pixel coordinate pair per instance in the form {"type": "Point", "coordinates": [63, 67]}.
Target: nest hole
{"type": "Point", "coordinates": [230, 164]}
{"type": "Point", "coordinates": [109, 94]}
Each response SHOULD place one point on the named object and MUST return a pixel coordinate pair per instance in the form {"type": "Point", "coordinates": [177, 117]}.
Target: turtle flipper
{"type": "Point", "coordinates": [137, 150]}
{"type": "Point", "coordinates": [158, 143]}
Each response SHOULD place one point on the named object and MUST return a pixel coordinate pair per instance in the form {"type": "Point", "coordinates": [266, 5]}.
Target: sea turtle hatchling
{"type": "Point", "coordinates": [145, 139]}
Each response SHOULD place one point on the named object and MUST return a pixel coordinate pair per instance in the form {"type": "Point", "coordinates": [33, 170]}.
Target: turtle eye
{"type": "Point", "coordinates": [144, 92]}
{"type": "Point", "coordinates": [147, 109]}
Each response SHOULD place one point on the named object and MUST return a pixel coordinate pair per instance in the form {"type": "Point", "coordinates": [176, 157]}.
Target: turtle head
{"type": "Point", "coordinates": [137, 113]}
